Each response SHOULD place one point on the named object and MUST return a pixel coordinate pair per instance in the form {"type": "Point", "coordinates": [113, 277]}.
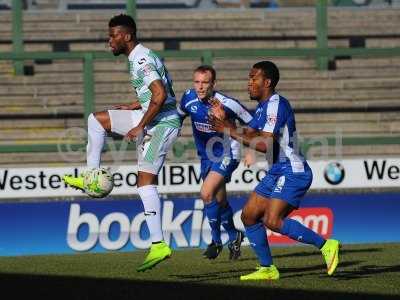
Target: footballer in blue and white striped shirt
{"type": "Point", "coordinates": [273, 131]}
{"type": "Point", "coordinates": [219, 156]}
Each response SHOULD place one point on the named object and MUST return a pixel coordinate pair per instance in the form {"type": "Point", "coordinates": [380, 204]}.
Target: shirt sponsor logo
{"type": "Point", "coordinates": [203, 127]}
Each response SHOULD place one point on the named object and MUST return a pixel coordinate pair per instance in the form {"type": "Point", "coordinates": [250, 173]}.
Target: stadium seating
{"type": "Point", "coordinates": [356, 97]}
{"type": "Point", "coordinates": [141, 4]}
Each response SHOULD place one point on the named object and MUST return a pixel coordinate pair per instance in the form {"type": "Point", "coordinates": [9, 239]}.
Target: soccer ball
{"type": "Point", "coordinates": [98, 182]}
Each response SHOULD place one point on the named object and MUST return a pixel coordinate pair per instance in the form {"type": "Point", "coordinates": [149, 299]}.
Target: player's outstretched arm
{"type": "Point", "coordinates": [260, 141]}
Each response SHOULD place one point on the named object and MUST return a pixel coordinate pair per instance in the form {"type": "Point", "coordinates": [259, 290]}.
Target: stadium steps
{"type": "Point", "coordinates": [290, 67]}
{"type": "Point", "coordinates": [46, 4]}
{"type": "Point", "coordinates": [341, 80]}
{"type": "Point", "coordinates": [198, 45]}
{"type": "Point", "coordinates": [51, 131]}
{"type": "Point", "coordinates": [46, 95]}
{"type": "Point", "coordinates": [41, 133]}
{"type": "Point", "coordinates": [353, 151]}
{"type": "Point", "coordinates": [58, 123]}
{"type": "Point", "coordinates": [331, 97]}
{"type": "Point", "coordinates": [6, 47]}
{"type": "Point", "coordinates": [209, 24]}
{"type": "Point", "coordinates": [6, 68]}
{"type": "Point", "coordinates": [367, 63]}
{"type": "Point", "coordinates": [356, 84]}
{"type": "Point", "coordinates": [53, 98]}
{"type": "Point", "coordinates": [61, 158]}
{"type": "Point", "coordinates": [33, 111]}
{"type": "Point", "coordinates": [382, 43]}
{"type": "Point", "coordinates": [96, 46]}
{"type": "Point", "coordinates": [349, 129]}
{"type": "Point", "coordinates": [346, 124]}
{"type": "Point", "coordinates": [227, 69]}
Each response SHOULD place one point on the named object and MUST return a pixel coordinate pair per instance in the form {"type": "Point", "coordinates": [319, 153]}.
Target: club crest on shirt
{"type": "Point", "coordinates": [271, 120]}
{"type": "Point", "coordinates": [147, 70]}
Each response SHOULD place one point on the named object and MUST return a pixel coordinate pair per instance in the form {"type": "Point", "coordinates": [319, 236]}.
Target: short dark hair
{"type": "Point", "coordinates": [123, 20]}
{"type": "Point", "coordinates": [205, 68]}
{"type": "Point", "coordinates": [270, 71]}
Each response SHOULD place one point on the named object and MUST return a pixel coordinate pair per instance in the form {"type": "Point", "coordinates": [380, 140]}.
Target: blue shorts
{"type": "Point", "coordinates": [288, 186]}
{"type": "Point", "coordinates": [224, 167]}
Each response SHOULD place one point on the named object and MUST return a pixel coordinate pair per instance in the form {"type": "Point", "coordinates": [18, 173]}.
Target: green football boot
{"type": "Point", "coordinates": [75, 182]}
{"type": "Point", "coordinates": [158, 253]}
{"type": "Point", "coordinates": [262, 273]}
{"type": "Point", "coordinates": [330, 252]}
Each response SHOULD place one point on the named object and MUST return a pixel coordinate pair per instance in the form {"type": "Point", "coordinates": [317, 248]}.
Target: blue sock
{"type": "Point", "coordinates": [296, 231]}
{"type": "Point", "coordinates": [214, 220]}
{"type": "Point", "coordinates": [226, 215]}
{"type": "Point", "coordinates": [258, 241]}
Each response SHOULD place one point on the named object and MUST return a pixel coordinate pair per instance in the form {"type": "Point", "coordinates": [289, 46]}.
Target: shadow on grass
{"type": "Point", "coordinates": [235, 273]}
{"type": "Point", "coordinates": [317, 270]}
{"type": "Point", "coordinates": [343, 251]}
{"type": "Point", "coordinates": [367, 271]}
{"type": "Point", "coordinates": [241, 259]}
{"type": "Point", "coordinates": [63, 287]}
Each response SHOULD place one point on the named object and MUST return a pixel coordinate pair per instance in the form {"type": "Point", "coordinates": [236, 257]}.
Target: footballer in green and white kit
{"type": "Point", "coordinates": [152, 145]}
{"type": "Point", "coordinates": [152, 121]}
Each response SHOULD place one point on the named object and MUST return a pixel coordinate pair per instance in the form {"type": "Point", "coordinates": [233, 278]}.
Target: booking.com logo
{"type": "Point", "coordinates": [334, 173]}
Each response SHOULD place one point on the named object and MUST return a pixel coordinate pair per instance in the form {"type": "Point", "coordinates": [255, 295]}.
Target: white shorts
{"type": "Point", "coordinates": [124, 120]}
{"type": "Point", "coordinates": [152, 145]}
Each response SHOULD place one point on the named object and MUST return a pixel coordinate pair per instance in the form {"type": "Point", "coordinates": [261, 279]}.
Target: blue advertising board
{"type": "Point", "coordinates": [119, 225]}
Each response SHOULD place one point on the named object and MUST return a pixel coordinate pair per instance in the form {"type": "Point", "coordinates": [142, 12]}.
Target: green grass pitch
{"type": "Point", "coordinates": [368, 271]}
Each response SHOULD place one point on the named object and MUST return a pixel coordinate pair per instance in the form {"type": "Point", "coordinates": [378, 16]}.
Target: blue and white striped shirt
{"type": "Point", "coordinates": [199, 112]}
{"type": "Point", "coordinates": [276, 116]}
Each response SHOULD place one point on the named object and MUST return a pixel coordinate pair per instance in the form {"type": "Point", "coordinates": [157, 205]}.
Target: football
{"type": "Point", "coordinates": [98, 182]}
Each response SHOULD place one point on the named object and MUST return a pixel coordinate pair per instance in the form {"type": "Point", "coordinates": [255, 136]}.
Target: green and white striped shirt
{"type": "Point", "coordinates": [145, 67]}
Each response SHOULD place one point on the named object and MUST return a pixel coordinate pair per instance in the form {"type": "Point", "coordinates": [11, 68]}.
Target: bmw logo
{"type": "Point", "coordinates": [334, 173]}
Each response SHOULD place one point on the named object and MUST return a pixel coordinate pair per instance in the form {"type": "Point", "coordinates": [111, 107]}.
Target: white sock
{"type": "Point", "coordinates": [96, 137]}
{"type": "Point", "coordinates": [152, 211]}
